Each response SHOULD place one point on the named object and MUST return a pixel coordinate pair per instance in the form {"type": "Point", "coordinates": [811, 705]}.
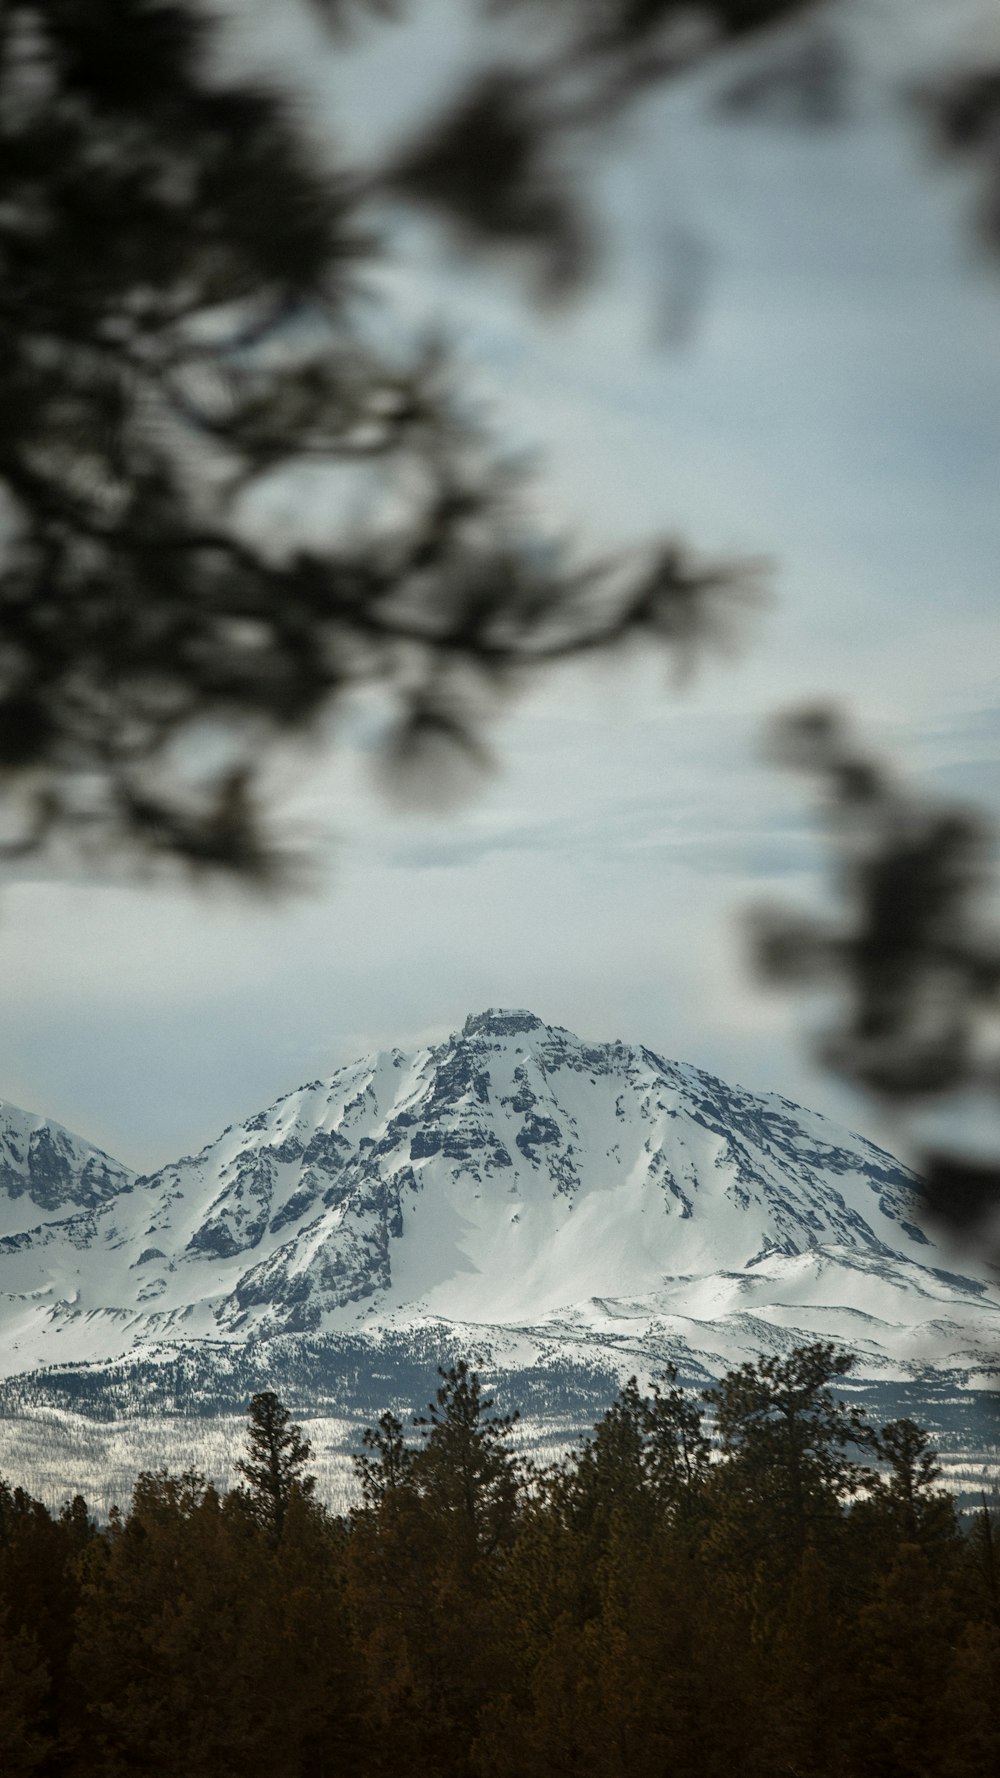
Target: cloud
{"type": "Point", "coordinates": [835, 406]}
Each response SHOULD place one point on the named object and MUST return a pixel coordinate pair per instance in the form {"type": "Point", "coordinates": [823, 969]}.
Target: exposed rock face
{"type": "Point", "coordinates": [497, 1023]}
{"type": "Point", "coordinates": [511, 1178]}
{"type": "Point", "coordinates": [52, 1169]}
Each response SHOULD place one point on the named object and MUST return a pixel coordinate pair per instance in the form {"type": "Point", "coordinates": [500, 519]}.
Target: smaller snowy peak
{"type": "Point", "coordinates": [501, 1022]}
{"type": "Point", "coordinates": [51, 1169]}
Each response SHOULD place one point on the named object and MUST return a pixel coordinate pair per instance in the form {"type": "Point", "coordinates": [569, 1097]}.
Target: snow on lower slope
{"type": "Point", "coordinates": [512, 1177]}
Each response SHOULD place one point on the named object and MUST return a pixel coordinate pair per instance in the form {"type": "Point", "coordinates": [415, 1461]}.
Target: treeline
{"type": "Point", "coordinates": [793, 1597]}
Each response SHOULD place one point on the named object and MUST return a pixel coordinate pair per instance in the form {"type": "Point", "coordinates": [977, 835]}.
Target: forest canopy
{"type": "Point", "coordinates": [757, 1580]}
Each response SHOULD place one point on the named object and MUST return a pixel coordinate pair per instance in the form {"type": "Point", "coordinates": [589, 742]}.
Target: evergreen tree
{"type": "Point", "coordinates": [181, 320]}
{"type": "Point", "coordinates": [972, 1703]}
{"type": "Point", "coordinates": [538, 1634]}
{"type": "Point", "coordinates": [808, 1656]}
{"type": "Point", "coordinates": [274, 1468]}
{"type": "Point", "coordinates": [677, 1449]}
{"type": "Point", "coordinates": [645, 1462]}
{"type": "Point", "coordinates": [788, 1442]}
{"type": "Point", "coordinates": [39, 1594]}
{"type": "Point", "coordinates": [205, 1650]}
{"type": "Point", "coordinates": [428, 1556]}
{"type": "Point", "coordinates": [465, 1470]}
{"type": "Point", "coordinates": [908, 1497]}
{"type": "Point", "coordinates": [24, 1688]}
{"type": "Point", "coordinates": [905, 1728]}
{"type": "Point", "coordinates": [385, 1465]}
{"type": "Point", "coordinates": [983, 1543]}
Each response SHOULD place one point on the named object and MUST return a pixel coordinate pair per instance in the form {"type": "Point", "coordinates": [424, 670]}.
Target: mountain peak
{"type": "Point", "coordinates": [500, 1021]}
{"type": "Point", "coordinates": [558, 1208]}
{"type": "Point", "coordinates": [52, 1170]}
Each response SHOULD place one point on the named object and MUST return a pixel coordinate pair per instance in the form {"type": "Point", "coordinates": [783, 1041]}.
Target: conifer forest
{"type": "Point", "coordinates": [756, 1581]}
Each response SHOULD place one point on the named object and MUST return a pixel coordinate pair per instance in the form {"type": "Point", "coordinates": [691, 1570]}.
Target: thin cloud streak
{"type": "Point", "coordinates": [835, 406]}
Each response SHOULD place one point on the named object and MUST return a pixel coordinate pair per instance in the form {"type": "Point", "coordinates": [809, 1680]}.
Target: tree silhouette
{"type": "Point", "coordinates": [793, 1443]}
{"type": "Point", "coordinates": [912, 951]}
{"type": "Point", "coordinates": [385, 1464]}
{"type": "Point", "coordinates": [180, 321]}
{"type": "Point", "coordinates": [274, 1468]}
{"type": "Point", "coordinates": [465, 1469]}
{"type": "Point", "coordinates": [182, 318]}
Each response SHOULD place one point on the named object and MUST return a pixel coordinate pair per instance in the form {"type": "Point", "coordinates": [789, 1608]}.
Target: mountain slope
{"type": "Point", "coordinates": [513, 1185]}
{"type": "Point", "coordinates": [45, 1168]}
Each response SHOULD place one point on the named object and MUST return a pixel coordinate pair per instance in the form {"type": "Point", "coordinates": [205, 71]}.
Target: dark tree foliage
{"type": "Point", "coordinates": [385, 1464]}
{"type": "Point", "coordinates": [203, 1648]}
{"type": "Point", "coordinates": [907, 1493]}
{"type": "Point", "coordinates": [463, 1469]}
{"type": "Point", "coordinates": [181, 318]}
{"type": "Point", "coordinates": [432, 1540]}
{"type": "Point", "coordinates": [275, 1466]}
{"type": "Point", "coordinates": [465, 1466]}
{"type": "Point", "coordinates": [915, 948]}
{"type": "Point", "coordinates": [183, 1641]}
{"type": "Point", "coordinates": [912, 950]}
{"type": "Point", "coordinates": [965, 109]}
{"type": "Point", "coordinates": [794, 1445]}
{"type": "Point", "coordinates": [648, 1455]}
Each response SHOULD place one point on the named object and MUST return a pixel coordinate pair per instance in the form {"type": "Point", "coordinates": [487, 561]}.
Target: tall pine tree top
{"type": "Point", "coordinates": [274, 1468]}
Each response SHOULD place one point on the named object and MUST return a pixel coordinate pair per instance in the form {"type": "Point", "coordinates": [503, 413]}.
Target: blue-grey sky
{"type": "Point", "coordinates": [834, 406]}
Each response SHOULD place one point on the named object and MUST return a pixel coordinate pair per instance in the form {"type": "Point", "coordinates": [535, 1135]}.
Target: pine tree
{"type": "Point", "coordinates": [24, 1683]}
{"type": "Point", "coordinates": [465, 1470]}
{"type": "Point", "coordinates": [274, 1469]}
{"type": "Point", "coordinates": [427, 1562]}
{"type": "Point", "coordinates": [909, 1633]}
{"type": "Point", "coordinates": [205, 1650]}
{"type": "Point", "coordinates": [181, 320]}
{"type": "Point", "coordinates": [386, 1463]}
{"type": "Point", "coordinates": [908, 1496]}
{"type": "Point", "coordinates": [646, 1459]}
{"type": "Point", "coordinates": [985, 1565]}
{"type": "Point", "coordinates": [789, 1457]}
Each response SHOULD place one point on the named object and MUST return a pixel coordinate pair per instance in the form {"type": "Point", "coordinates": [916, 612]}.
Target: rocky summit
{"type": "Point", "coordinates": [43, 1168]}
{"type": "Point", "coordinates": [548, 1203]}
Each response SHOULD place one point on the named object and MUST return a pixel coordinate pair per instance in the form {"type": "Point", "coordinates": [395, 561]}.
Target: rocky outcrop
{"type": "Point", "coordinates": [54, 1170]}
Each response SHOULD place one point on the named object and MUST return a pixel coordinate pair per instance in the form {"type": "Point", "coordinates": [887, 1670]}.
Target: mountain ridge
{"type": "Point", "coordinates": [551, 1201]}
{"type": "Point", "coordinates": [50, 1167]}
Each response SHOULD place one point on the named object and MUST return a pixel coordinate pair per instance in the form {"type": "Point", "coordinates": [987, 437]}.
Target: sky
{"type": "Point", "coordinates": [830, 403]}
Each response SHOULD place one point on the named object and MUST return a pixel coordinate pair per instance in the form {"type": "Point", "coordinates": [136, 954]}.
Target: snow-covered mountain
{"type": "Point", "coordinates": [514, 1192]}
{"type": "Point", "coordinates": [46, 1170]}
